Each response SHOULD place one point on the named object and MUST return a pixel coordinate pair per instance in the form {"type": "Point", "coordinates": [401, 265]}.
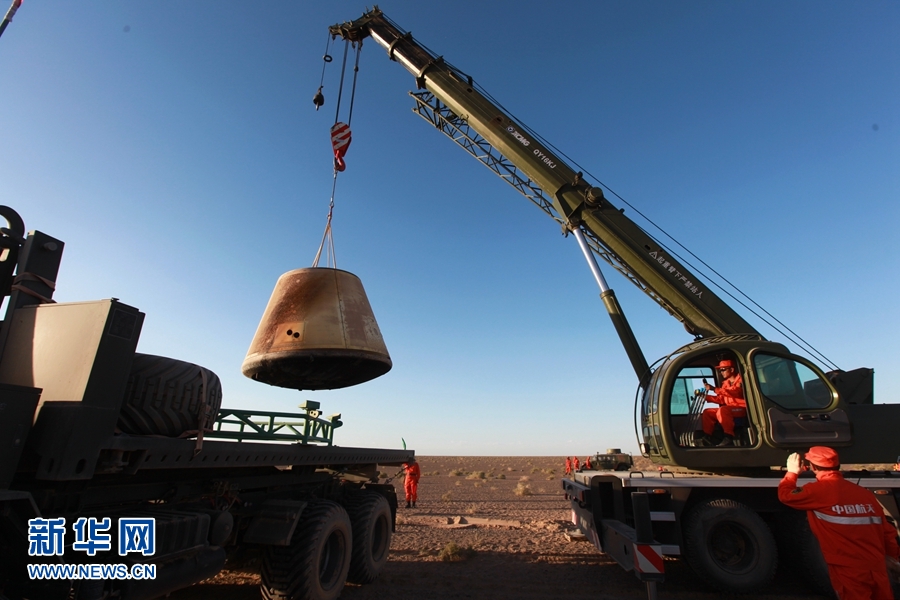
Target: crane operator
{"type": "Point", "coordinates": [730, 398]}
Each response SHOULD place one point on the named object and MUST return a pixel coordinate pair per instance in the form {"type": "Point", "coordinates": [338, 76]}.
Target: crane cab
{"type": "Point", "coordinates": [790, 406]}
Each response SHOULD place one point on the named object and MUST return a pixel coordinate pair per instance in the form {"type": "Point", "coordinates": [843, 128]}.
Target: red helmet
{"type": "Point", "coordinates": [725, 364]}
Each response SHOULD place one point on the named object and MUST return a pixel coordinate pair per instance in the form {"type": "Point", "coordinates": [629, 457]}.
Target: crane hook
{"type": "Point", "coordinates": [319, 99]}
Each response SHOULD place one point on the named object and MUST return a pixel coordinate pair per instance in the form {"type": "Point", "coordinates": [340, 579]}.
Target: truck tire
{"type": "Point", "coordinates": [315, 565]}
{"type": "Point", "coordinates": [729, 546]}
{"type": "Point", "coordinates": [370, 516]}
{"type": "Point", "coordinates": [167, 397]}
{"type": "Point", "coordinates": [802, 546]}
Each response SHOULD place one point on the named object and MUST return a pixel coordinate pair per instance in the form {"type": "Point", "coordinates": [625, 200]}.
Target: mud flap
{"type": "Point", "coordinates": [275, 522]}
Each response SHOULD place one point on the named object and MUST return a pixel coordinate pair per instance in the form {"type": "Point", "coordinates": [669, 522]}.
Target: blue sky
{"type": "Point", "coordinates": [176, 150]}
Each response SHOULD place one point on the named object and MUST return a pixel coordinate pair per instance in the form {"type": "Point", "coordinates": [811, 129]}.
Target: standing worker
{"type": "Point", "coordinates": [730, 398]}
{"type": "Point", "coordinates": [587, 463]}
{"type": "Point", "coordinates": [857, 540]}
{"type": "Point", "coordinates": [575, 463]}
{"type": "Point", "coordinates": [568, 466]}
{"type": "Point", "coordinates": [411, 485]}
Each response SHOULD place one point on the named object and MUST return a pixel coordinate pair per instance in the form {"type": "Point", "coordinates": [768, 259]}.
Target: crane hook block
{"type": "Point", "coordinates": [319, 99]}
{"type": "Point", "coordinates": [340, 141]}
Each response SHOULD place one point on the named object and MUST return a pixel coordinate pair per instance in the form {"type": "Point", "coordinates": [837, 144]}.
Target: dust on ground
{"type": "Point", "coordinates": [508, 521]}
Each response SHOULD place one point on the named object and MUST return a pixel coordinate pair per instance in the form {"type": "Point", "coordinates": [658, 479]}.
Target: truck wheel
{"type": "Point", "coordinates": [315, 565]}
{"type": "Point", "coordinates": [800, 544]}
{"type": "Point", "coordinates": [165, 396]}
{"type": "Point", "coordinates": [729, 546]}
{"type": "Point", "coordinates": [370, 516]}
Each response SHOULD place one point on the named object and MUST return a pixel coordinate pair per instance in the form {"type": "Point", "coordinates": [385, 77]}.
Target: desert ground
{"type": "Point", "coordinates": [514, 544]}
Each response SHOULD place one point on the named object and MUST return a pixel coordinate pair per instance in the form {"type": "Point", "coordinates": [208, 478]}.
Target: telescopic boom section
{"type": "Point", "coordinates": [577, 203]}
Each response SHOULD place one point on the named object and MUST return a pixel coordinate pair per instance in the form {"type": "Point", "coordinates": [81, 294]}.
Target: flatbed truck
{"type": "Point", "coordinates": [121, 476]}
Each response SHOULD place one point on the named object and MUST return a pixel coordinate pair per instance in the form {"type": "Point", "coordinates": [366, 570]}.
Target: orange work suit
{"type": "Point", "coordinates": [575, 464]}
{"type": "Point", "coordinates": [730, 397]}
{"type": "Point", "coordinates": [568, 466]}
{"type": "Point", "coordinates": [852, 531]}
{"type": "Point", "coordinates": [411, 485]}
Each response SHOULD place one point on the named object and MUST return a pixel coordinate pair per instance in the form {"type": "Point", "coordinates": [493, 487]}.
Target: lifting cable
{"type": "Point", "coordinates": [319, 99]}
{"type": "Point", "coordinates": [340, 141]}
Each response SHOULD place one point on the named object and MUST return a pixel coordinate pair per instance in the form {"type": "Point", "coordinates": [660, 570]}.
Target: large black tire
{"type": "Point", "coordinates": [315, 565]}
{"type": "Point", "coordinates": [799, 543]}
{"type": "Point", "coordinates": [165, 396]}
{"type": "Point", "coordinates": [370, 516]}
{"type": "Point", "coordinates": [729, 546]}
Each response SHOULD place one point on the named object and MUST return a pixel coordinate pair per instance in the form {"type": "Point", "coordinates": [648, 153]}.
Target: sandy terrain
{"type": "Point", "coordinates": [514, 546]}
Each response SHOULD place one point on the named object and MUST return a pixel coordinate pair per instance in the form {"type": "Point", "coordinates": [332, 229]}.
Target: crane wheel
{"type": "Point", "coordinates": [802, 548]}
{"type": "Point", "coordinates": [370, 516]}
{"type": "Point", "coordinates": [729, 546]}
{"type": "Point", "coordinates": [167, 397]}
{"type": "Point", "coordinates": [315, 564]}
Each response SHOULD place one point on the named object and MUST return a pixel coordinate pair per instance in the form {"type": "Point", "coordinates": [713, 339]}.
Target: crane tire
{"type": "Point", "coordinates": [315, 564]}
{"type": "Point", "coordinates": [801, 544]}
{"type": "Point", "coordinates": [166, 397]}
{"type": "Point", "coordinates": [729, 546]}
{"type": "Point", "coordinates": [370, 517]}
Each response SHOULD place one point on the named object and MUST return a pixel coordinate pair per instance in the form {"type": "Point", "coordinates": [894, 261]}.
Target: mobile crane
{"type": "Point", "coordinates": [717, 506]}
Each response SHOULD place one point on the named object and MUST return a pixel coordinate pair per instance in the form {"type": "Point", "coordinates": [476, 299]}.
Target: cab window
{"type": "Point", "coordinates": [687, 382]}
{"type": "Point", "coordinates": [790, 384]}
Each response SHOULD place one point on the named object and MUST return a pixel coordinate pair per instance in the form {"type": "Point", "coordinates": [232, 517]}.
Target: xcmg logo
{"type": "Point", "coordinates": [526, 142]}
{"type": "Point", "coordinates": [522, 139]}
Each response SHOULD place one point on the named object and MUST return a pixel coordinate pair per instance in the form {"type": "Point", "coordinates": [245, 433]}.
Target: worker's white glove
{"type": "Point", "coordinates": [793, 463]}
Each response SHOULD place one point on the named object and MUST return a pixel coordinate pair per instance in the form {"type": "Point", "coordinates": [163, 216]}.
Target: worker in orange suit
{"type": "Point", "coordinates": [575, 464]}
{"type": "Point", "coordinates": [730, 398]}
{"type": "Point", "coordinates": [587, 463]}
{"type": "Point", "coordinates": [857, 541]}
{"type": "Point", "coordinates": [411, 485]}
{"type": "Point", "coordinates": [568, 466]}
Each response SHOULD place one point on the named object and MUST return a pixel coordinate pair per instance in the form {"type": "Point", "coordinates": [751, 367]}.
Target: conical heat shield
{"type": "Point", "coordinates": [318, 333]}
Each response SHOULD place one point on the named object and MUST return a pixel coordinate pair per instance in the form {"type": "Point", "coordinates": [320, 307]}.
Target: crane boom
{"type": "Point", "coordinates": [567, 197]}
